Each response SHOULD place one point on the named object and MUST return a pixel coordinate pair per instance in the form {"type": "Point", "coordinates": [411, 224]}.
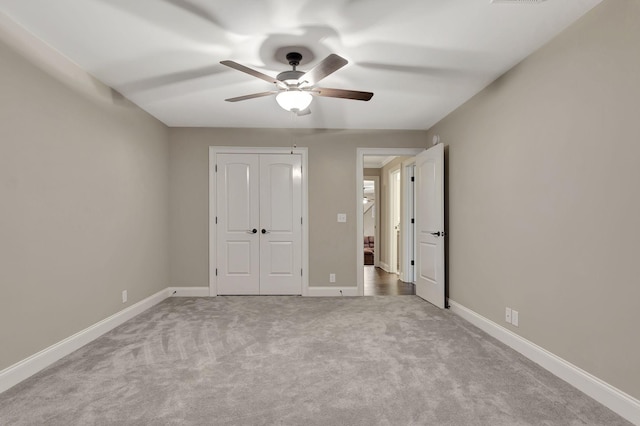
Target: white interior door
{"type": "Point", "coordinates": [259, 224]}
{"type": "Point", "coordinates": [238, 220]}
{"type": "Point", "coordinates": [281, 224]}
{"type": "Point", "coordinates": [429, 179]}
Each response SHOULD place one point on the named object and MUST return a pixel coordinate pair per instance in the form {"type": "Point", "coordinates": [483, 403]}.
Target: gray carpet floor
{"type": "Point", "coordinates": [297, 361]}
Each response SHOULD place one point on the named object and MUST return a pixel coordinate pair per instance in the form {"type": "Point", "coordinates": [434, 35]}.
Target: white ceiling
{"type": "Point", "coordinates": [421, 58]}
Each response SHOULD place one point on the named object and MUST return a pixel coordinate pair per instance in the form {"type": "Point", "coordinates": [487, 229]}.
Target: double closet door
{"type": "Point", "coordinates": [259, 224]}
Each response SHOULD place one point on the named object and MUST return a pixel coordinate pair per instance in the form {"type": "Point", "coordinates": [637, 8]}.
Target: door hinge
{"type": "Point", "coordinates": [413, 220]}
{"type": "Point", "coordinates": [412, 263]}
{"type": "Point", "coordinates": [413, 178]}
{"type": "Point", "coordinates": [216, 272]}
{"type": "Point", "coordinates": [300, 221]}
{"type": "Point", "coordinates": [300, 271]}
{"type": "Point", "coordinates": [215, 168]}
{"type": "Point", "coordinates": [216, 220]}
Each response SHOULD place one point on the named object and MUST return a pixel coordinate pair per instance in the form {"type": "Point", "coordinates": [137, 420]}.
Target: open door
{"type": "Point", "coordinates": [429, 179]}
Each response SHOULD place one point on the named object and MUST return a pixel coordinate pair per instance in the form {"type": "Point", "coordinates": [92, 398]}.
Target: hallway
{"type": "Point", "coordinates": [377, 282]}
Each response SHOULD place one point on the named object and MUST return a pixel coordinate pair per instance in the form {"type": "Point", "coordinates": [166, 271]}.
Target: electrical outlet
{"type": "Point", "coordinates": [342, 217]}
{"type": "Point", "coordinates": [332, 278]}
{"type": "Point", "coordinates": [124, 296]}
{"type": "Point", "coordinates": [507, 315]}
{"type": "Point", "coordinates": [514, 317]}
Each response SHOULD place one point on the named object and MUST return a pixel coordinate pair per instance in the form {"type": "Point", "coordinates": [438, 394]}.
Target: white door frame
{"type": "Point", "coordinates": [394, 195]}
{"type": "Point", "coordinates": [213, 151]}
{"type": "Point", "coordinates": [409, 247]}
{"type": "Point", "coordinates": [360, 153]}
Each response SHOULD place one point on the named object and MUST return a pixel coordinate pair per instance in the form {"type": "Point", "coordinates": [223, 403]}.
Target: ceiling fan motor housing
{"type": "Point", "coordinates": [294, 59]}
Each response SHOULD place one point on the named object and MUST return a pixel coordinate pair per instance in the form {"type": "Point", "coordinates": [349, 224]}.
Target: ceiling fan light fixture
{"type": "Point", "coordinates": [294, 100]}
{"type": "Point", "coordinates": [293, 87]}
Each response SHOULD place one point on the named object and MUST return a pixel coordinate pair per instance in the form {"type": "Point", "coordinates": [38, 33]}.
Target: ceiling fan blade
{"type": "Point", "coordinates": [340, 93]}
{"type": "Point", "coordinates": [250, 71]}
{"type": "Point", "coordinates": [328, 65]}
{"type": "Point", "coordinates": [252, 96]}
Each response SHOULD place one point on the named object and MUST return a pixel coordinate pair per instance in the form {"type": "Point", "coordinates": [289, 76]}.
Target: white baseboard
{"type": "Point", "coordinates": [188, 291]}
{"type": "Point", "coordinates": [332, 291]}
{"type": "Point", "coordinates": [26, 368]}
{"type": "Point", "coordinates": [385, 267]}
{"type": "Point", "coordinates": [616, 400]}
{"type": "Point", "coordinates": [402, 277]}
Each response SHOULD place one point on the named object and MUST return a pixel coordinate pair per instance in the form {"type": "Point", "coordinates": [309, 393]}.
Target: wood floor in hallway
{"type": "Point", "coordinates": [377, 282]}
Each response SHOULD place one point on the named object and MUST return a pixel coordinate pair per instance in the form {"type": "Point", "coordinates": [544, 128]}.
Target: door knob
{"type": "Point", "coordinates": [264, 231]}
{"type": "Point", "coordinates": [253, 231]}
{"type": "Point", "coordinates": [435, 234]}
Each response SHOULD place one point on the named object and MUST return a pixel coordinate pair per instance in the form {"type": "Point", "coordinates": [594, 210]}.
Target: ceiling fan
{"type": "Point", "coordinates": [295, 89]}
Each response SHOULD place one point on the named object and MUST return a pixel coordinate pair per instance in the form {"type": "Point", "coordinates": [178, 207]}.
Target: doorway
{"type": "Point", "coordinates": [377, 281]}
{"type": "Point", "coordinates": [371, 219]}
{"type": "Point", "coordinates": [403, 229]}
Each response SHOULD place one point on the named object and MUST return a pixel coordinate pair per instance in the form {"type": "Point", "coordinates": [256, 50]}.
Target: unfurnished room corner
{"type": "Point", "coordinates": [185, 188]}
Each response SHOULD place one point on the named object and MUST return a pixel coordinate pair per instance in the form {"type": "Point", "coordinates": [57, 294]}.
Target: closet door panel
{"type": "Point", "coordinates": [280, 224]}
{"type": "Point", "coordinates": [238, 214]}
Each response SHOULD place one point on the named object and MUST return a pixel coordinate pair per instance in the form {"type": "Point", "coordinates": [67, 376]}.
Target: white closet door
{"type": "Point", "coordinates": [238, 215]}
{"type": "Point", "coordinates": [280, 224]}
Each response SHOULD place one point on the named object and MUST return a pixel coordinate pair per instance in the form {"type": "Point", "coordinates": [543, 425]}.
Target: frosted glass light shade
{"type": "Point", "coordinates": [294, 100]}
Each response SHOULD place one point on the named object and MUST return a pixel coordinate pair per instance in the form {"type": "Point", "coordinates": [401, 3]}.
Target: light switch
{"type": "Point", "coordinates": [342, 217]}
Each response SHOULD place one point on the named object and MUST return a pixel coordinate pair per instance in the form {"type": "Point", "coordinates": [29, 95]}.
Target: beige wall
{"type": "Point", "coordinates": [84, 206]}
{"type": "Point", "coordinates": [544, 204]}
{"type": "Point", "coordinates": [371, 172]}
{"type": "Point", "coordinates": [332, 181]}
